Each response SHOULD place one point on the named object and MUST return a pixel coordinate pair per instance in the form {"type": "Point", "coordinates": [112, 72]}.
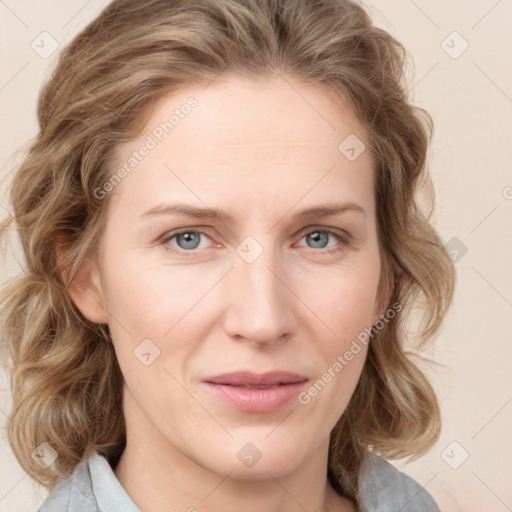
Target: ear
{"type": "Point", "coordinates": [85, 289]}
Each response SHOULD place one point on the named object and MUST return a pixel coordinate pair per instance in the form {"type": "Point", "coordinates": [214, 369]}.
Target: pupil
{"type": "Point", "coordinates": [189, 237]}
{"type": "Point", "coordinates": [316, 235]}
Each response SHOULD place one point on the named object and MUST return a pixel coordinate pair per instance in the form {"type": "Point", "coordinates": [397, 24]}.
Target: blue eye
{"type": "Point", "coordinates": [320, 237]}
{"type": "Point", "coordinates": [190, 239]}
{"type": "Point", "coordinates": [187, 241]}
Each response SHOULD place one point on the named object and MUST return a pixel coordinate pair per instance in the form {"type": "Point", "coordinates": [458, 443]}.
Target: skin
{"type": "Point", "coordinates": [261, 152]}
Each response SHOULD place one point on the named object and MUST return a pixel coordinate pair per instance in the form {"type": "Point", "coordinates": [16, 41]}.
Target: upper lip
{"type": "Point", "coordinates": [245, 378]}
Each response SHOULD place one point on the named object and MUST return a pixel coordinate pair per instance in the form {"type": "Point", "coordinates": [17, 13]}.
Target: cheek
{"type": "Point", "coordinates": [157, 302]}
{"type": "Point", "coordinates": [137, 291]}
{"type": "Point", "coordinates": [346, 308]}
{"type": "Point", "coordinates": [344, 300]}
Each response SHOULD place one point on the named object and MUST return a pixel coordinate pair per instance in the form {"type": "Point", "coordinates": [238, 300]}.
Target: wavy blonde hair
{"type": "Point", "coordinates": [65, 380]}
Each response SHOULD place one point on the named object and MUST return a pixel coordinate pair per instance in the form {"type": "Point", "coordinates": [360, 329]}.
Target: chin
{"type": "Point", "coordinates": [253, 458]}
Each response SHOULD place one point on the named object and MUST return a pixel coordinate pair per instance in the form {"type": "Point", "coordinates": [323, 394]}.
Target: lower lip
{"type": "Point", "coordinates": [257, 400]}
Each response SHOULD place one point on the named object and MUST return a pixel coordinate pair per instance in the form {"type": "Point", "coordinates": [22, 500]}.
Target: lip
{"type": "Point", "coordinates": [238, 389]}
{"type": "Point", "coordinates": [246, 378]}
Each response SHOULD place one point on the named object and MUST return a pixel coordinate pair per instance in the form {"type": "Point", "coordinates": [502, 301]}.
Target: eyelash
{"type": "Point", "coordinates": [344, 239]}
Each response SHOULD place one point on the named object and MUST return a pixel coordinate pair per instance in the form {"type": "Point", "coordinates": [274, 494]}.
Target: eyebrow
{"type": "Point", "coordinates": [316, 212]}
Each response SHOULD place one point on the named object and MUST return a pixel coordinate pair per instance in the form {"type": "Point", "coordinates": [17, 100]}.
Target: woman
{"type": "Point", "coordinates": [181, 339]}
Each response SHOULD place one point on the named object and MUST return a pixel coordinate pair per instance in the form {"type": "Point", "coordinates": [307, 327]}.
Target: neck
{"type": "Point", "coordinates": [160, 478]}
{"type": "Point", "coordinates": [141, 475]}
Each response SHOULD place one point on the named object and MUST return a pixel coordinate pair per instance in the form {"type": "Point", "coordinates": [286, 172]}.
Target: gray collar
{"type": "Point", "coordinates": [93, 487]}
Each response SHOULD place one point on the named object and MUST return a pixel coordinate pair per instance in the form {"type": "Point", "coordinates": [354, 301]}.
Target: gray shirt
{"type": "Point", "coordinates": [93, 487]}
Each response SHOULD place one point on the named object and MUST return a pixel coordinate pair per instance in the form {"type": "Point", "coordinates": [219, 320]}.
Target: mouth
{"type": "Point", "coordinates": [256, 393]}
{"type": "Point", "coordinates": [255, 380]}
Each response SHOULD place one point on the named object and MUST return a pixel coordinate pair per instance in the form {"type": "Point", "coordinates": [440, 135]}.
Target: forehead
{"type": "Point", "coordinates": [237, 134]}
{"type": "Point", "coordinates": [244, 110]}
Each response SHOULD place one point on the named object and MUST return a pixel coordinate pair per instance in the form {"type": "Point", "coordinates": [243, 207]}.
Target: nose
{"type": "Point", "coordinates": [261, 305]}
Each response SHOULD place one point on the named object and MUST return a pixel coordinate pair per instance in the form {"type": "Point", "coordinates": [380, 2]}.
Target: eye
{"type": "Point", "coordinates": [319, 238]}
{"type": "Point", "coordinates": [187, 240]}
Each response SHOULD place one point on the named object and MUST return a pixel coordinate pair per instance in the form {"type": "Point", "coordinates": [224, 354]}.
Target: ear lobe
{"type": "Point", "coordinates": [85, 289]}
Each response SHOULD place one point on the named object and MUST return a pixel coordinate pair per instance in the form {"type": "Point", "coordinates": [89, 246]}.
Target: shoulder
{"type": "Point", "coordinates": [73, 493]}
{"type": "Point", "coordinates": [93, 487]}
{"type": "Point", "coordinates": [383, 488]}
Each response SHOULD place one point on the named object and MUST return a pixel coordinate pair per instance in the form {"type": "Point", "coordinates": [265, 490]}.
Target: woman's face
{"type": "Point", "coordinates": [247, 289]}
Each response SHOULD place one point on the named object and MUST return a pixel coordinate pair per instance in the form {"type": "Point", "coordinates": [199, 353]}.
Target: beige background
{"type": "Point", "coordinates": [469, 95]}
